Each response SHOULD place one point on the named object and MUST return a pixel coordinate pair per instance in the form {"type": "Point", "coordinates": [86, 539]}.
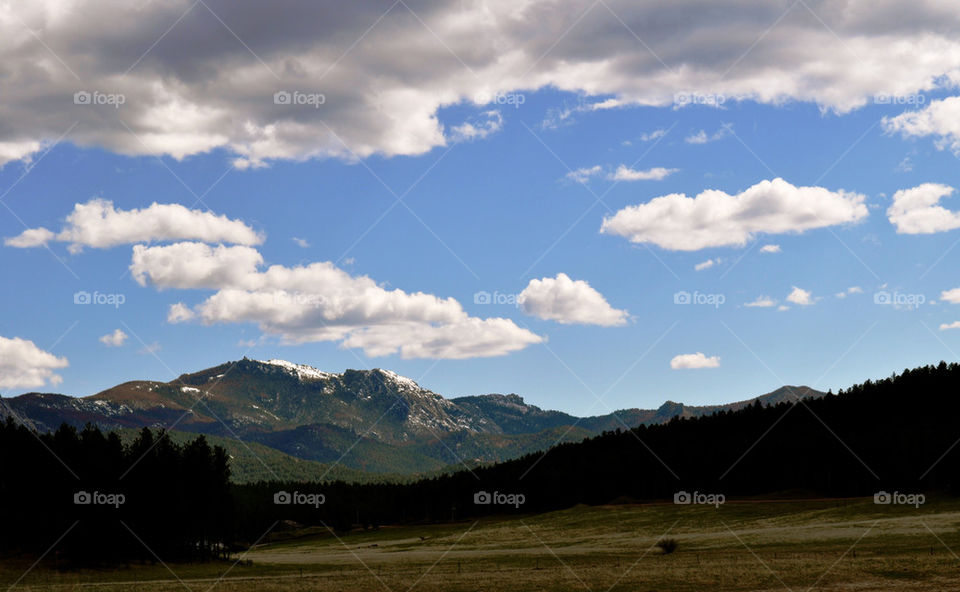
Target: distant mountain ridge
{"type": "Point", "coordinates": [371, 420]}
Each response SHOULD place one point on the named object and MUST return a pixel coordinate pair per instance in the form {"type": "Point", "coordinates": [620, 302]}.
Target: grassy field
{"type": "Point", "coordinates": [742, 545]}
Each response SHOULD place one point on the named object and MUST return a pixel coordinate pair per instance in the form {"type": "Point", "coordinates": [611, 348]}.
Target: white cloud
{"type": "Point", "coordinates": [469, 337]}
{"type": "Point", "coordinates": [582, 175]}
{"type": "Point", "coordinates": [200, 88]}
{"type": "Point", "coordinates": [476, 129]}
{"type": "Point", "coordinates": [949, 326]}
{"type": "Point", "coordinates": [850, 290]}
{"type": "Point", "coordinates": [783, 307]}
{"type": "Point", "coordinates": [905, 165]}
{"type": "Point", "coordinates": [23, 151]}
{"type": "Point", "coordinates": [707, 264]}
{"type": "Point", "coordinates": [150, 348]}
{"type": "Point", "coordinates": [606, 104]}
{"type": "Point", "coordinates": [31, 237]}
{"type": "Point", "coordinates": [100, 225]}
{"type": "Point", "coordinates": [770, 249]}
{"type": "Point", "coordinates": [569, 301]}
{"type": "Point", "coordinates": [179, 313]}
{"type": "Point", "coordinates": [916, 210]}
{"type": "Point", "coordinates": [625, 173]}
{"type": "Point", "coordinates": [301, 242]}
{"type": "Point", "coordinates": [320, 302]}
{"type": "Point", "coordinates": [194, 265]}
{"type": "Point", "coordinates": [951, 296]}
{"type": "Point", "coordinates": [564, 115]}
{"type": "Point", "coordinates": [703, 265]}
{"type": "Point", "coordinates": [24, 365]}
{"type": "Point", "coordinates": [717, 219]}
{"type": "Point", "coordinates": [694, 361]}
{"type": "Point", "coordinates": [622, 173]}
{"type": "Point", "coordinates": [941, 118]}
{"type": "Point", "coordinates": [654, 135]}
{"type": "Point", "coordinates": [115, 339]}
{"type": "Point", "coordinates": [762, 302]}
{"type": "Point", "coordinates": [800, 297]}
{"type": "Point", "coordinates": [701, 137]}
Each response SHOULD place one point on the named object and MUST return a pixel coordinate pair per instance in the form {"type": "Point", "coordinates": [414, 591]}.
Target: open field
{"type": "Point", "coordinates": [742, 545]}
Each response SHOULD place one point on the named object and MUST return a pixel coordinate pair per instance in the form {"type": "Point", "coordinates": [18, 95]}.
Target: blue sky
{"type": "Point", "coordinates": [497, 211]}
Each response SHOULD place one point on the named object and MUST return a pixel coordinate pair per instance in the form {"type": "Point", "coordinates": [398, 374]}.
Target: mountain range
{"type": "Point", "coordinates": [374, 421]}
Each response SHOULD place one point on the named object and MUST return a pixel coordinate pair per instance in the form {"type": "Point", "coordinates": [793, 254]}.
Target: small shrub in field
{"type": "Point", "coordinates": [668, 545]}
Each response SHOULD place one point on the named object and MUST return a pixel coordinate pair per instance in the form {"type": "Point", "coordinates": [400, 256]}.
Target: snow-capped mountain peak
{"type": "Point", "coordinates": [402, 382]}
{"type": "Point", "coordinates": [301, 371]}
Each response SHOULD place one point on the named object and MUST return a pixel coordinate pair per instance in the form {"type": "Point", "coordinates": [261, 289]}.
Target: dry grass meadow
{"type": "Point", "coordinates": [743, 545]}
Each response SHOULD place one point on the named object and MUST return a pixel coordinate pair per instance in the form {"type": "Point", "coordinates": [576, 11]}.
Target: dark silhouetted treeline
{"type": "Point", "coordinates": [112, 503]}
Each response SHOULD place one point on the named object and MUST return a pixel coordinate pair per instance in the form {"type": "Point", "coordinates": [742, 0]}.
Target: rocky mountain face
{"type": "Point", "coordinates": [373, 420]}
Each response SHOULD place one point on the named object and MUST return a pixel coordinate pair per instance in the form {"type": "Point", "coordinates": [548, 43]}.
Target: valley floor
{"type": "Point", "coordinates": [828, 545]}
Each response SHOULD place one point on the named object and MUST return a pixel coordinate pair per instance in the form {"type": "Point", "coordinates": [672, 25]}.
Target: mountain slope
{"type": "Point", "coordinates": [370, 420]}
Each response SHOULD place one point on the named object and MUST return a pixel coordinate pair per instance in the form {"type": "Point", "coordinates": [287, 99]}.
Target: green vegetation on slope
{"type": "Point", "coordinates": [251, 462]}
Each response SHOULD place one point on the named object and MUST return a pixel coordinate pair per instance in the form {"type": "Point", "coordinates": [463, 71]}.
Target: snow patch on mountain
{"type": "Point", "coordinates": [401, 382]}
{"type": "Point", "coordinates": [301, 371]}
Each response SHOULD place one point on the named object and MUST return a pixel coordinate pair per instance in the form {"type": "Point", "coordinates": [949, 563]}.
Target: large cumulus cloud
{"type": "Point", "coordinates": [320, 302]}
{"type": "Point", "coordinates": [715, 218]}
{"type": "Point", "coordinates": [24, 365]}
{"type": "Point", "coordinates": [197, 76]}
